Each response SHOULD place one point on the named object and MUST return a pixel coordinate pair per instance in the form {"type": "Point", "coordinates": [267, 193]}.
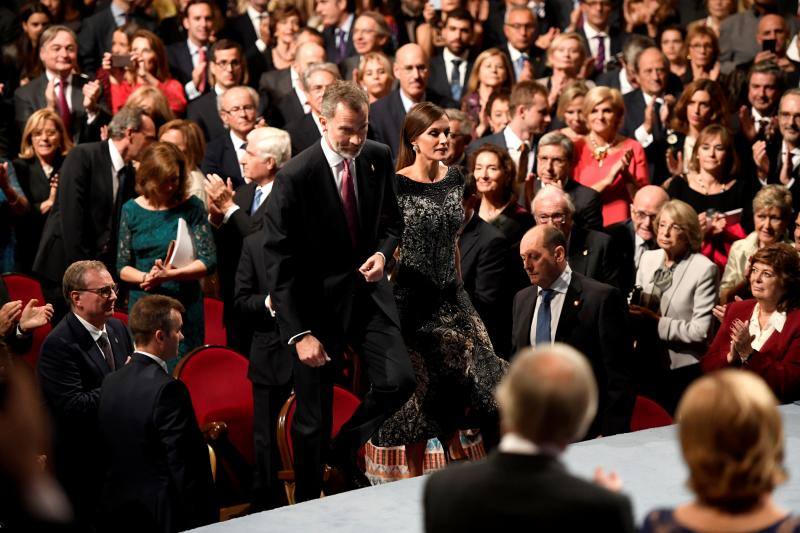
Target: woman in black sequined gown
{"type": "Point", "coordinates": [455, 365]}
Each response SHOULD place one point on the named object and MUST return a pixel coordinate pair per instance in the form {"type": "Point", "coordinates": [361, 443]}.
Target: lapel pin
{"type": "Point", "coordinates": [586, 252]}
{"type": "Point", "coordinates": [372, 167]}
{"type": "Point", "coordinates": [576, 303]}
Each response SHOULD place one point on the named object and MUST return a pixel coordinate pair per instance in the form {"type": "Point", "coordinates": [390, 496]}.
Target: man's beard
{"type": "Point", "coordinates": [347, 153]}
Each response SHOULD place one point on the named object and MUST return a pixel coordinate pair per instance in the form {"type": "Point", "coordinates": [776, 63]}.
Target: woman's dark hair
{"type": "Point", "coordinates": [162, 161]}
{"type": "Point", "coordinates": [718, 103]}
{"type": "Point", "coordinates": [418, 119]}
{"type": "Point", "coordinates": [30, 66]}
{"type": "Point", "coordinates": [784, 260]}
{"type": "Point", "coordinates": [281, 14]}
{"type": "Point", "coordinates": [507, 167]}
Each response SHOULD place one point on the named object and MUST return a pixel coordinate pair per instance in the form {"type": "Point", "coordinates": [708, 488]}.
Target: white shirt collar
{"type": "Point", "coordinates": [155, 358]}
{"type": "Point", "coordinates": [347, 24]}
{"type": "Point", "coordinates": [116, 158]}
{"type": "Point", "coordinates": [237, 142]}
{"type": "Point", "coordinates": [193, 48]}
{"type": "Point", "coordinates": [648, 99]}
{"type": "Point", "coordinates": [638, 240]}
{"type": "Point", "coordinates": [255, 16]}
{"type": "Point", "coordinates": [794, 151]}
{"type": "Point", "coordinates": [52, 75]}
{"type": "Point", "coordinates": [118, 13]}
{"type": "Point", "coordinates": [265, 189]}
{"type": "Point", "coordinates": [517, 444]}
{"type": "Point", "coordinates": [449, 56]}
{"type": "Point", "coordinates": [408, 103]}
{"type": "Point", "coordinates": [219, 89]}
{"type": "Point", "coordinates": [757, 116]}
{"type": "Point", "coordinates": [791, 50]}
{"type": "Point", "coordinates": [624, 83]}
{"type": "Point", "coordinates": [592, 33]}
{"type": "Point", "coordinates": [93, 331]}
{"type": "Point", "coordinates": [514, 54]}
{"type": "Point", "coordinates": [513, 142]}
{"type": "Point", "coordinates": [333, 157]}
{"type": "Point", "coordinates": [561, 284]}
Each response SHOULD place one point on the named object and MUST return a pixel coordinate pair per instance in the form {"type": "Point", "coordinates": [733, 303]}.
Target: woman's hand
{"type": "Point", "coordinates": [718, 223]}
{"type": "Point", "coordinates": [741, 340]}
{"type": "Point", "coordinates": [674, 162]}
{"type": "Point", "coordinates": [761, 159]}
{"type": "Point", "coordinates": [643, 312]}
{"type": "Point", "coordinates": [157, 275]}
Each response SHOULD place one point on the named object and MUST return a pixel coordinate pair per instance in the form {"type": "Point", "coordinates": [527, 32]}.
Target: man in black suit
{"type": "Point", "coordinates": [566, 306]}
{"type": "Point", "coordinates": [158, 474]}
{"type": "Point", "coordinates": [630, 239]}
{"type": "Point", "coordinates": [554, 162]}
{"type": "Point", "coordinates": [647, 110]}
{"type": "Point", "coordinates": [546, 402]}
{"type": "Point", "coordinates": [331, 223]}
{"type": "Point", "coordinates": [371, 33]}
{"type": "Point", "coordinates": [236, 214]}
{"type": "Point", "coordinates": [188, 61]}
{"type": "Point", "coordinates": [779, 161]}
{"type": "Point", "coordinates": [238, 108]}
{"type": "Point", "coordinates": [602, 39]}
{"type": "Point", "coordinates": [589, 251]}
{"type": "Point", "coordinates": [227, 70]}
{"type": "Point", "coordinates": [386, 116]}
{"type": "Point", "coordinates": [270, 368]}
{"type": "Point", "coordinates": [96, 31]}
{"type": "Point", "coordinates": [519, 28]}
{"type": "Point", "coordinates": [79, 106]}
{"type": "Point", "coordinates": [338, 18]}
{"type": "Point", "coordinates": [308, 130]}
{"type": "Point", "coordinates": [450, 70]}
{"type": "Point", "coordinates": [96, 179]}
{"type": "Point", "coordinates": [623, 77]}
{"type": "Point", "coordinates": [246, 30]}
{"type": "Point", "coordinates": [82, 349]}
{"type": "Point", "coordinates": [285, 87]}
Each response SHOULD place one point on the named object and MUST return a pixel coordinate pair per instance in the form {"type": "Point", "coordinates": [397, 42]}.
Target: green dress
{"type": "Point", "coordinates": [144, 236]}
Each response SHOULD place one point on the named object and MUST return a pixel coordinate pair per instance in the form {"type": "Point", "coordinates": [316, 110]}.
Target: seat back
{"type": "Point", "coordinates": [22, 287]}
{"type": "Point", "coordinates": [216, 377]}
{"type": "Point", "coordinates": [215, 327]}
{"type": "Point", "coordinates": [122, 317]}
{"type": "Point", "coordinates": [648, 414]}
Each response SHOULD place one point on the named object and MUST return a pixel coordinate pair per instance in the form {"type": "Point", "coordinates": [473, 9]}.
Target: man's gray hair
{"type": "Point", "coordinates": [514, 8]}
{"type": "Point", "coordinates": [551, 191]}
{"type": "Point", "coordinates": [50, 33]}
{"type": "Point", "coordinates": [638, 57]}
{"type": "Point", "coordinates": [634, 45]}
{"type": "Point", "coordinates": [313, 68]}
{"type": "Point", "coordinates": [128, 117]}
{"type": "Point", "coordinates": [252, 92]}
{"type": "Point", "coordinates": [556, 138]}
{"type": "Point", "coordinates": [345, 93]}
{"type": "Point", "coordinates": [270, 142]}
{"type": "Point", "coordinates": [463, 118]}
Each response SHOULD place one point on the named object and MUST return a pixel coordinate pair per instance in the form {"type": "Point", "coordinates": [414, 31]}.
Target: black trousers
{"type": "Point", "coordinates": [391, 377]}
{"type": "Point", "coordinates": [267, 403]}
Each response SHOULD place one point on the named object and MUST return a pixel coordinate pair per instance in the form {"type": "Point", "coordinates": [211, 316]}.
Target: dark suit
{"type": "Point", "coordinates": [287, 110]}
{"type": "Point", "coordinates": [95, 36]}
{"type": "Point", "coordinates": [304, 221]}
{"type": "Point", "coordinates": [588, 206]}
{"type": "Point", "coordinates": [241, 30]}
{"type": "Point", "coordinates": [30, 98]}
{"type": "Point", "coordinates": [347, 66]}
{"type": "Point", "coordinates": [158, 475]}
{"type": "Point", "coordinates": [483, 251]}
{"type": "Point", "coordinates": [203, 110]}
{"type": "Point", "coordinates": [36, 186]}
{"type": "Point", "coordinates": [332, 46]}
{"type": "Point", "coordinates": [590, 253]}
{"type": "Point", "coordinates": [617, 38]}
{"type": "Point", "coordinates": [516, 492]}
{"type": "Point", "coordinates": [497, 139]}
{"type": "Point", "coordinates": [386, 118]}
{"type": "Point", "coordinates": [593, 321]}
{"type": "Point", "coordinates": [623, 241]}
{"type": "Point", "coordinates": [180, 63]}
{"type": "Point", "coordinates": [440, 83]}
{"type": "Point", "coordinates": [171, 30]}
{"type": "Point", "coordinates": [270, 366]}
{"type": "Point", "coordinates": [84, 219]}
{"type": "Point", "coordinates": [71, 369]}
{"type": "Point", "coordinates": [656, 151]}
{"type": "Point", "coordinates": [275, 84]}
{"type": "Point", "coordinates": [221, 159]}
{"type": "Point", "coordinates": [303, 132]}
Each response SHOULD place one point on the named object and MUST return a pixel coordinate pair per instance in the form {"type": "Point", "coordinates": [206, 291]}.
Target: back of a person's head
{"type": "Point", "coordinates": [731, 436]}
{"type": "Point", "coordinates": [549, 395]}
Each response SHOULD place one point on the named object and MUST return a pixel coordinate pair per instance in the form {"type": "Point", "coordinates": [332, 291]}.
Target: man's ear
{"type": "Point", "coordinates": [160, 335]}
{"type": "Point", "coordinates": [560, 253]}
{"type": "Point", "coordinates": [323, 122]}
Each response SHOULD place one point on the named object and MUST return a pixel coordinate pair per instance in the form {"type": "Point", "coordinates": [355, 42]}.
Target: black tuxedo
{"type": "Point", "coordinates": [331, 44]}
{"type": "Point", "coordinates": [270, 366]}
{"type": "Point", "coordinates": [623, 239]}
{"type": "Point", "coordinates": [517, 492]}
{"type": "Point", "coordinates": [203, 110]}
{"type": "Point", "coordinates": [656, 151]}
{"type": "Point", "coordinates": [304, 221]}
{"type": "Point", "coordinates": [588, 206]}
{"type": "Point", "coordinates": [593, 321]}
{"type": "Point", "coordinates": [386, 118]}
{"type": "Point", "coordinates": [590, 253]}
{"type": "Point", "coordinates": [28, 228]}
{"type": "Point", "coordinates": [221, 159]}
{"type": "Point", "coordinates": [171, 30]}
{"type": "Point", "coordinates": [71, 369]}
{"type": "Point", "coordinates": [95, 36]}
{"type": "Point", "coordinates": [483, 251]}
{"type": "Point", "coordinates": [30, 98]}
{"type": "Point", "coordinates": [303, 132]}
{"type": "Point", "coordinates": [84, 219]}
{"type": "Point", "coordinates": [440, 83]}
{"type": "Point", "coordinates": [180, 63]}
{"type": "Point", "coordinates": [158, 474]}
{"type": "Point", "coordinates": [615, 35]}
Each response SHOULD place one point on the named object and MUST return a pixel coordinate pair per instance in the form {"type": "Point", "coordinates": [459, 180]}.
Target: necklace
{"type": "Point", "coordinates": [706, 187]}
{"type": "Point", "coordinates": [599, 152]}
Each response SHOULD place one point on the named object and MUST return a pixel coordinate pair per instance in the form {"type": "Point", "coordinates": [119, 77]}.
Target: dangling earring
{"type": "Point", "coordinates": [415, 147]}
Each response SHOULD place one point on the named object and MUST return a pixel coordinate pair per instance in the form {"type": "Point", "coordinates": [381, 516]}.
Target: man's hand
{"type": "Point", "coordinates": [34, 316]}
{"type": "Point", "coordinates": [311, 352]}
{"type": "Point", "coordinates": [372, 269]}
{"type": "Point", "coordinates": [91, 94]}
{"type": "Point", "coordinates": [50, 94]}
{"type": "Point", "coordinates": [199, 72]}
{"type": "Point", "coordinates": [219, 192]}
{"type": "Point", "coordinates": [610, 481]}
{"type": "Point", "coordinates": [543, 41]}
{"type": "Point", "coordinates": [9, 314]}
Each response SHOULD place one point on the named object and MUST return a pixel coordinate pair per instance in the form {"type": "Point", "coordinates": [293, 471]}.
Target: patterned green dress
{"type": "Point", "coordinates": [144, 236]}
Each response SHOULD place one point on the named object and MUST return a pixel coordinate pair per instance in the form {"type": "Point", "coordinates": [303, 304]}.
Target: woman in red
{"type": "Point", "coordinates": [613, 165]}
{"type": "Point", "coordinates": [763, 334]}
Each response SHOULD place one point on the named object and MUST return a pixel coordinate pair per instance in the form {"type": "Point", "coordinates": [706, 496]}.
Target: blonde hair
{"type": "Point", "coordinates": [560, 39]}
{"type": "Point", "coordinates": [473, 82]}
{"type": "Point", "coordinates": [153, 102]}
{"type": "Point", "coordinates": [684, 216]}
{"type": "Point", "coordinates": [774, 195]}
{"type": "Point", "coordinates": [731, 437]}
{"type": "Point", "coordinates": [36, 121]}
{"type": "Point", "coordinates": [598, 95]}
{"type": "Point", "coordinates": [572, 91]}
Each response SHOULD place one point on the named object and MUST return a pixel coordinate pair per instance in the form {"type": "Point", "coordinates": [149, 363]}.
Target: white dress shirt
{"type": "Point", "coordinates": [625, 85]}
{"type": "Point", "coordinates": [94, 332]}
{"type": "Point", "coordinates": [238, 146]}
{"type": "Point", "coordinates": [591, 38]}
{"type": "Point", "coordinates": [644, 138]}
{"type": "Point", "coordinates": [116, 164]}
{"type": "Point", "coordinates": [514, 145]}
{"type": "Point", "coordinates": [448, 57]}
{"type": "Point", "coordinates": [560, 286]}
{"type": "Point", "coordinates": [775, 323]}
{"type": "Point", "coordinates": [795, 154]}
{"type": "Point", "coordinates": [408, 103]}
{"type": "Point", "coordinates": [517, 444]}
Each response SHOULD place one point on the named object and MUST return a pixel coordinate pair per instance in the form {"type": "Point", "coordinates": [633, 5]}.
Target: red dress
{"type": "Point", "coordinates": [616, 199]}
{"type": "Point", "coordinates": [171, 88]}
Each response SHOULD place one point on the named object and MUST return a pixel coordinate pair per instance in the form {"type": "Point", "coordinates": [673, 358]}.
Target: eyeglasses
{"type": "Point", "coordinates": [557, 218]}
{"type": "Point", "coordinates": [249, 108]}
{"type": "Point", "coordinates": [519, 26]}
{"type": "Point", "coordinates": [226, 64]}
{"type": "Point", "coordinates": [701, 46]}
{"type": "Point", "coordinates": [103, 292]}
{"type": "Point", "coordinates": [642, 214]}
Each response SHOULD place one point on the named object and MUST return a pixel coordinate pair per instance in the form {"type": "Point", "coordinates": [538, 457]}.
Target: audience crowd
{"type": "Point", "coordinates": [432, 189]}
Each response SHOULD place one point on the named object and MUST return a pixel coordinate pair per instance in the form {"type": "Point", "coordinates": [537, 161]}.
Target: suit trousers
{"type": "Point", "coordinates": [377, 340]}
{"type": "Point", "coordinates": [267, 403]}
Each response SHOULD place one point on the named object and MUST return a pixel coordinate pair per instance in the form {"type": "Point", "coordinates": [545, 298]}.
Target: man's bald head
{"type": "Point", "coordinates": [307, 53]}
{"type": "Point", "coordinates": [411, 68]}
{"type": "Point", "coordinates": [646, 205]}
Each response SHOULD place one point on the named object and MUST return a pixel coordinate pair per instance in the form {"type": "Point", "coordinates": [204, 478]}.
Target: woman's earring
{"type": "Point", "coordinates": [415, 147]}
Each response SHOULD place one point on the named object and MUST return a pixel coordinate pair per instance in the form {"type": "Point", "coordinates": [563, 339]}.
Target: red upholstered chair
{"type": "Point", "coordinates": [345, 404]}
{"type": "Point", "coordinates": [215, 327]}
{"type": "Point", "coordinates": [648, 414]}
{"type": "Point", "coordinates": [122, 317]}
{"type": "Point", "coordinates": [222, 398]}
{"type": "Point", "coordinates": [22, 287]}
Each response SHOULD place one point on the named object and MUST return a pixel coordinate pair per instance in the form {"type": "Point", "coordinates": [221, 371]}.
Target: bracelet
{"type": "Point", "coordinates": [144, 277]}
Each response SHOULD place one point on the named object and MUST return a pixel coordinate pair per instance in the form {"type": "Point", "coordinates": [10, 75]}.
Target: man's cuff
{"type": "Point", "coordinates": [789, 185]}
{"type": "Point", "coordinates": [384, 257]}
{"type": "Point", "coordinates": [91, 116]}
{"type": "Point", "coordinates": [20, 334]}
{"type": "Point", "coordinates": [230, 211]}
{"type": "Point", "coordinates": [296, 338]}
{"type": "Point", "coordinates": [644, 138]}
{"type": "Point", "coordinates": [268, 305]}
{"type": "Point", "coordinates": [191, 90]}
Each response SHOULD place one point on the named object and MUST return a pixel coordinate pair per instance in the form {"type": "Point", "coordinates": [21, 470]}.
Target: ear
{"type": "Point", "coordinates": [323, 122]}
{"type": "Point", "coordinates": [160, 335]}
{"type": "Point", "coordinates": [271, 163]}
{"type": "Point", "coordinates": [185, 22]}
{"type": "Point", "coordinates": [560, 254]}
{"type": "Point", "coordinates": [382, 39]}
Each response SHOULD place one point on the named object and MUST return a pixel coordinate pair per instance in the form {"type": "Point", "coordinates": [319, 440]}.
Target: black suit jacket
{"type": "Point", "coordinates": [590, 253]}
{"type": "Point", "coordinates": [84, 219]}
{"type": "Point", "coordinates": [303, 133]}
{"type": "Point", "coordinates": [71, 369]}
{"type": "Point", "coordinates": [331, 46]}
{"type": "Point", "coordinates": [275, 84]}
{"type": "Point", "coordinates": [497, 139]}
{"type": "Point", "coordinates": [440, 83]}
{"type": "Point", "coordinates": [288, 110]}
{"type": "Point", "coordinates": [95, 36]}
{"type": "Point", "coordinates": [655, 151]}
{"type": "Point", "coordinates": [615, 35]}
{"type": "Point", "coordinates": [158, 474]}
{"type": "Point", "coordinates": [180, 63]}
{"type": "Point", "coordinates": [270, 358]}
{"type": "Point", "coordinates": [588, 206]}
{"type": "Point", "coordinates": [623, 239]}
{"type": "Point", "coordinates": [171, 30]}
{"type": "Point", "coordinates": [386, 118]}
{"type": "Point", "coordinates": [593, 321]}
{"type": "Point", "coordinates": [494, 36]}
{"type": "Point", "coordinates": [36, 186]}
{"type": "Point", "coordinates": [305, 221]}
{"type": "Point", "coordinates": [515, 492]}
{"type": "Point", "coordinates": [221, 159]}
{"type": "Point", "coordinates": [203, 110]}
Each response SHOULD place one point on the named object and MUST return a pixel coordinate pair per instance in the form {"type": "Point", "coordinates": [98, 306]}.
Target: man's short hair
{"type": "Point", "coordinates": [523, 94]}
{"type": "Point", "coordinates": [635, 45]}
{"type": "Point", "coordinates": [150, 314]}
{"type": "Point", "coordinates": [765, 67]}
{"type": "Point", "coordinates": [345, 93]}
{"type": "Point", "coordinates": [313, 68]}
{"type": "Point", "coordinates": [380, 20]}
{"type": "Point", "coordinates": [191, 3]}
{"type": "Point", "coordinates": [252, 92]}
{"type": "Point", "coordinates": [549, 395]}
{"type": "Point", "coordinates": [270, 142]}
{"type": "Point", "coordinates": [461, 13]}
{"type": "Point", "coordinates": [553, 191]}
{"type": "Point", "coordinates": [515, 8]}
{"type": "Point", "coordinates": [127, 117]}
{"type": "Point", "coordinates": [463, 118]}
{"type": "Point", "coordinates": [50, 33]}
{"type": "Point", "coordinates": [73, 277]}
{"type": "Point", "coordinates": [556, 138]}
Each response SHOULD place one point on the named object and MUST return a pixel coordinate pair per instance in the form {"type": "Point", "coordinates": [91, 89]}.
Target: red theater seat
{"type": "Point", "coordinates": [22, 287]}
{"type": "Point", "coordinates": [214, 326]}
{"type": "Point", "coordinates": [648, 414]}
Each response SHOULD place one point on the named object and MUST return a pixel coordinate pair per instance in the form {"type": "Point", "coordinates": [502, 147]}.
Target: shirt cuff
{"type": "Point", "coordinates": [230, 211]}
{"type": "Point", "coordinates": [191, 91]}
{"type": "Point", "coordinates": [20, 334]}
{"type": "Point", "coordinates": [297, 337]}
{"type": "Point", "coordinates": [91, 116]}
{"type": "Point", "coordinates": [644, 138]}
{"type": "Point", "coordinates": [384, 257]}
{"type": "Point", "coordinates": [268, 304]}
{"type": "Point", "coordinates": [789, 185]}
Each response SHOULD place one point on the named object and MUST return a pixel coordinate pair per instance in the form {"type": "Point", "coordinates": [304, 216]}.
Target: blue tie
{"type": "Point", "coordinates": [455, 80]}
{"type": "Point", "coordinates": [543, 318]}
{"type": "Point", "coordinates": [520, 63]}
{"type": "Point", "coordinates": [256, 201]}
